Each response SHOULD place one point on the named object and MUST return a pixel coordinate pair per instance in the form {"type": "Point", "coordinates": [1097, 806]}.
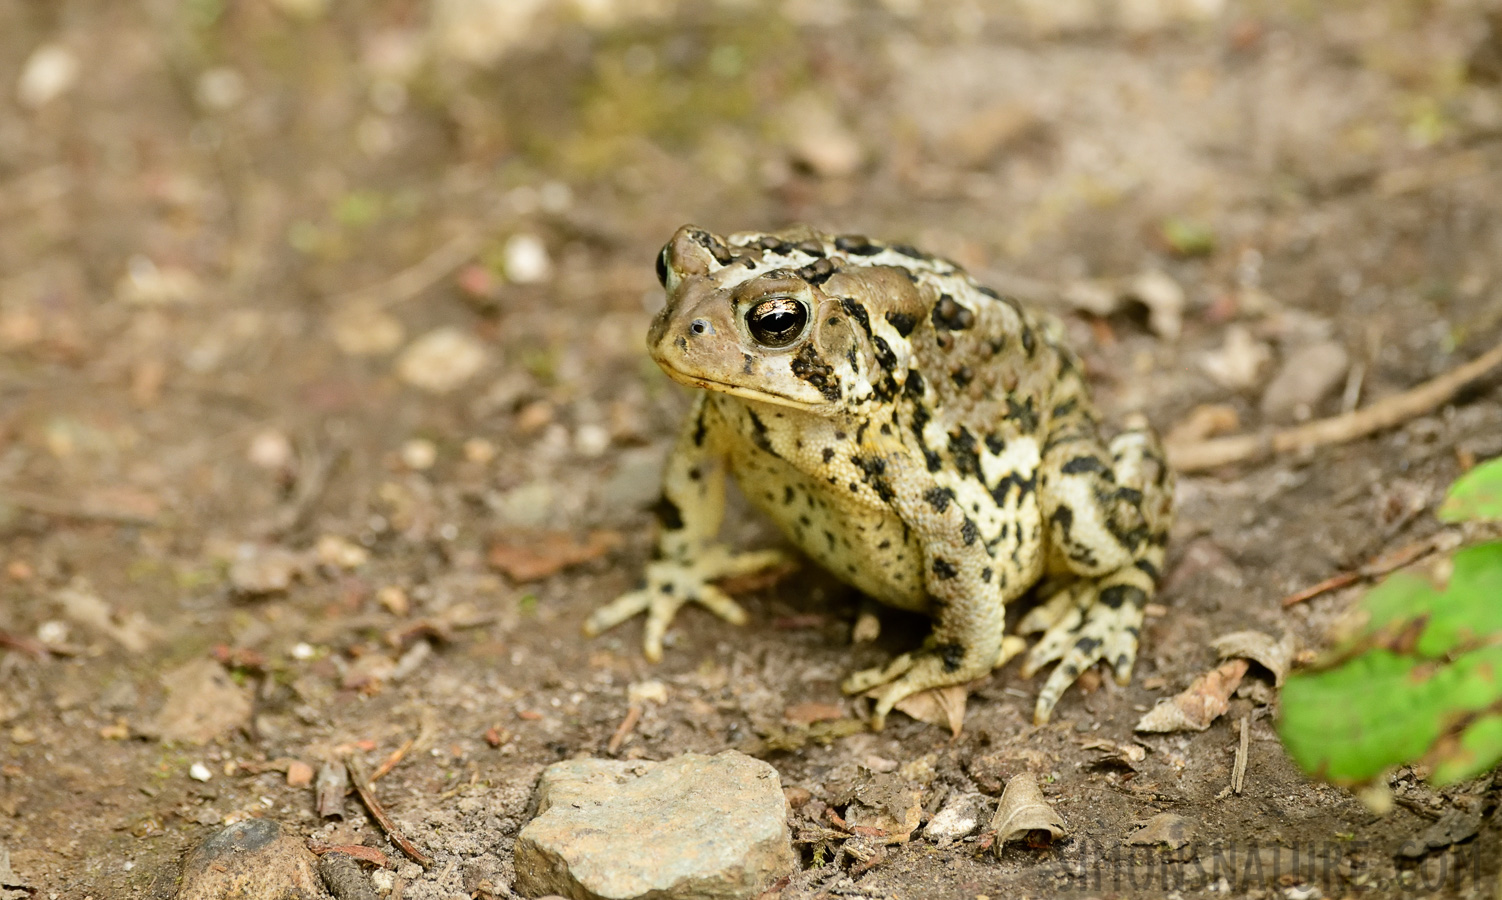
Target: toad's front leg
{"type": "Point", "coordinates": [966, 594]}
{"type": "Point", "coordinates": [688, 557]}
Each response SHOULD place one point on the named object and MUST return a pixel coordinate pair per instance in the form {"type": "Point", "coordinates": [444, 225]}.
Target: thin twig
{"type": "Point", "coordinates": [391, 761]}
{"type": "Point", "coordinates": [1378, 566]}
{"type": "Point", "coordinates": [418, 277]}
{"type": "Point", "coordinates": [1384, 413]}
{"type": "Point", "coordinates": [622, 731]}
{"type": "Point", "coordinates": [30, 646]}
{"type": "Point", "coordinates": [361, 783]}
{"type": "Point", "coordinates": [51, 506]}
{"type": "Point", "coordinates": [1238, 771]}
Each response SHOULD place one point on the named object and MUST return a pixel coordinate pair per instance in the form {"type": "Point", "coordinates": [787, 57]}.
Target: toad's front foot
{"type": "Point", "coordinates": [931, 667]}
{"type": "Point", "coordinates": [670, 583]}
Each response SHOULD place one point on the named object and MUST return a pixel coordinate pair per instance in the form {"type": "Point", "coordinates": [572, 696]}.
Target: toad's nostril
{"type": "Point", "coordinates": [701, 326]}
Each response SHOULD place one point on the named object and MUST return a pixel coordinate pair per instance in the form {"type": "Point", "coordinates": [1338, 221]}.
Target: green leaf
{"type": "Point", "coordinates": [1476, 495]}
{"type": "Point", "coordinates": [1421, 681]}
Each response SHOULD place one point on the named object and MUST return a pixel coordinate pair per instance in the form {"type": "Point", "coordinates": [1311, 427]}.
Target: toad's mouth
{"type": "Point", "coordinates": [737, 390]}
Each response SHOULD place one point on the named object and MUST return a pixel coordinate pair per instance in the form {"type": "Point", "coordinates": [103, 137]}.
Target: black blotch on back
{"type": "Point", "coordinates": [857, 244]}
{"type": "Point", "coordinates": [903, 322]}
{"type": "Point", "coordinates": [949, 315]}
{"type": "Point", "coordinates": [817, 272]}
{"type": "Point", "coordinates": [966, 452]}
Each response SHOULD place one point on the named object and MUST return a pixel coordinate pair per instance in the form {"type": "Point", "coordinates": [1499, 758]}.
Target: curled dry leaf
{"type": "Point", "coordinates": [1273, 655]}
{"type": "Point", "coordinates": [1130, 754]}
{"type": "Point", "coordinates": [1198, 705]}
{"type": "Point", "coordinates": [1236, 364]}
{"type": "Point", "coordinates": [527, 555]}
{"type": "Point", "coordinates": [1164, 299]}
{"type": "Point", "coordinates": [943, 707]}
{"type": "Point", "coordinates": [1023, 814]}
{"type": "Point", "coordinates": [329, 790]}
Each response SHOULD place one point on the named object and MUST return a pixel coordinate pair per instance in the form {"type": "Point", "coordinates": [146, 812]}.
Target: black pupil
{"type": "Point", "coordinates": [776, 323]}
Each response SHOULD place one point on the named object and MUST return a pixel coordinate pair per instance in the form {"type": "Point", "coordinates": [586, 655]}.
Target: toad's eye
{"type": "Point", "coordinates": [777, 322]}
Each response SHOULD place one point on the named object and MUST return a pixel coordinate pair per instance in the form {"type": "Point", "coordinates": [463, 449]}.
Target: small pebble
{"type": "Point", "coordinates": [333, 550]}
{"type": "Point", "coordinates": [219, 89]}
{"type": "Point", "coordinates": [526, 259]}
{"type": "Point", "coordinates": [49, 72]}
{"type": "Point", "coordinates": [270, 450]}
{"type": "Point", "coordinates": [419, 454]}
{"type": "Point", "coordinates": [479, 451]}
{"type": "Point", "coordinates": [200, 772]}
{"type": "Point", "coordinates": [441, 360]}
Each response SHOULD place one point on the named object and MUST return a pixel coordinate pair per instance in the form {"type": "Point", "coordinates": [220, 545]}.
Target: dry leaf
{"type": "Point", "coordinates": [1274, 656]}
{"type": "Point", "coordinates": [943, 707]}
{"type": "Point", "coordinates": [533, 555]}
{"type": "Point", "coordinates": [887, 808]}
{"type": "Point", "coordinates": [809, 713]}
{"type": "Point", "coordinates": [1024, 814]}
{"type": "Point", "coordinates": [1165, 829]}
{"type": "Point", "coordinates": [329, 791]}
{"type": "Point", "coordinates": [1130, 754]}
{"type": "Point", "coordinates": [202, 704]}
{"type": "Point", "coordinates": [1199, 704]}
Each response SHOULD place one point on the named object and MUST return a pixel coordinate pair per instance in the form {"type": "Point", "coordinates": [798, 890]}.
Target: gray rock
{"type": "Point", "coordinates": [960, 815]}
{"type": "Point", "coordinates": [251, 860]}
{"type": "Point", "coordinates": [1307, 375]}
{"type": "Point", "coordinates": [696, 826]}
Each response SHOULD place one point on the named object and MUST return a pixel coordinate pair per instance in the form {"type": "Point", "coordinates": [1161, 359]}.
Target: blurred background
{"type": "Point", "coordinates": [318, 317]}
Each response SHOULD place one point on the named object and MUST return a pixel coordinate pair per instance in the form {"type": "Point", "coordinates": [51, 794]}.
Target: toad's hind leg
{"type": "Point", "coordinates": [1109, 523]}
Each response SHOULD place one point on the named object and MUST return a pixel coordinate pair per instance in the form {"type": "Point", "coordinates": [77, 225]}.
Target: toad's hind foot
{"type": "Point", "coordinates": [1083, 624]}
{"type": "Point", "coordinates": [669, 584]}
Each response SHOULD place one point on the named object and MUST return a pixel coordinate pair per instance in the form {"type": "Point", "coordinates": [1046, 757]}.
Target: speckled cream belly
{"type": "Point", "coordinates": [864, 545]}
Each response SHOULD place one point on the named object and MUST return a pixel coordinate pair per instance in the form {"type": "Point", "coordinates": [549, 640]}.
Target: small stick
{"type": "Point", "coordinates": [622, 731]}
{"type": "Point", "coordinates": [396, 756]}
{"type": "Point", "coordinates": [358, 851]}
{"type": "Point", "coordinates": [1378, 566]}
{"type": "Point", "coordinates": [51, 506]}
{"type": "Point", "coordinates": [1238, 771]}
{"type": "Point", "coordinates": [30, 646]}
{"type": "Point", "coordinates": [1384, 413]}
{"type": "Point", "coordinates": [418, 277]}
{"type": "Point", "coordinates": [357, 777]}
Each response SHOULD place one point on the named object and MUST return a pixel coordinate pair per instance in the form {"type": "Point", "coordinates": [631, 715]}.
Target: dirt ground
{"type": "Point", "coordinates": [325, 416]}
